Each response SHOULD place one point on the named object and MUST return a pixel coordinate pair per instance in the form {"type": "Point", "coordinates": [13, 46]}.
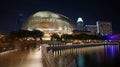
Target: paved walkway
{"type": "Point", "coordinates": [28, 58]}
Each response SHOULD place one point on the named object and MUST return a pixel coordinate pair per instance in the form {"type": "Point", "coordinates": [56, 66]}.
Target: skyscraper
{"type": "Point", "coordinates": [80, 24]}
{"type": "Point", "coordinates": [104, 28]}
{"type": "Point", "coordinates": [20, 21]}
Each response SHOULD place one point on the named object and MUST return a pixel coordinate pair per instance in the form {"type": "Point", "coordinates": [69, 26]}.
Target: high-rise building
{"type": "Point", "coordinates": [104, 28]}
{"type": "Point", "coordinates": [91, 28]}
{"type": "Point", "coordinates": [80, 24]}
{"type": "Point", "coordinates": [20, 21]}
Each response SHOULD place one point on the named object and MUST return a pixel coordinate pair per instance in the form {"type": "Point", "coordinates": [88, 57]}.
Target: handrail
{"type": "Point", "coordinates": [62, 47]}
{"type": "Point", "coordinates": [46, 59]}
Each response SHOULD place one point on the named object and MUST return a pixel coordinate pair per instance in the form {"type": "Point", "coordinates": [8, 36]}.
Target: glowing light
{"type": "Point", "coordinates": [37, 54]}
{"type": "Point", "coordinates": [46, 14]}
{"type": "Point", "coordinates": [29, 29]}
{"type": "Point", "coordinates": [65, 27]}
{"type": "Point", "coordinates": [34, 59]}
{"type": "Point", "coordinates": [111, 51]}
{"type": "Point", "coordinates": [79, 20]}
{"type": "Point", "coordinates": [60, 28]}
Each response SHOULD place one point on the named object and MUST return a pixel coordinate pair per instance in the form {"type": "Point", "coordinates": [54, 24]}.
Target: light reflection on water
{"type": "Point", "coordinates": [111, 51]}
{"type": "Point", "coordinates": [80, 60]}
{"type": "Point", "coordinates": [100, 56]}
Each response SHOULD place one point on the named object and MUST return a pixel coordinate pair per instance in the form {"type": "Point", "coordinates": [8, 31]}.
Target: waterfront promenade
{"type": "Point", "coordinates": [41, 56]}
{"type": "Point", "coordinates": [22, 58]}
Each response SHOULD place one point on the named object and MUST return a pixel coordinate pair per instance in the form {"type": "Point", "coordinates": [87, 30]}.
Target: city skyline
{"type": "Point", "coordinates": [89, 11]}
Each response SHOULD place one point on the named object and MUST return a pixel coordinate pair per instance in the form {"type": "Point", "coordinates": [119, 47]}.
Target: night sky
{"type": "Point", "coordinates": [91, 11]}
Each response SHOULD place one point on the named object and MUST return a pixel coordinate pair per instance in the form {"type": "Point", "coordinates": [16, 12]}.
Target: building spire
{"type": "Point", "coordinates": [79, 20]}
{"type": "Point", "coordinates": [80, 24]}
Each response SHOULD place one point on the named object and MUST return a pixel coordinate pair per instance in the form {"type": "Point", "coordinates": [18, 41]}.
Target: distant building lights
{"type": "Point", "coordinates": [79, 19]}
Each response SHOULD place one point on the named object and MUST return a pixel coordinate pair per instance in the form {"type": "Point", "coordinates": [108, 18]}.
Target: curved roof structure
{"type": "Point", "coordinates": [47, 21]}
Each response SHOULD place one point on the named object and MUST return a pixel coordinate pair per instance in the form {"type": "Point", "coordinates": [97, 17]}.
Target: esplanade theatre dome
{"type": "Point", "coordinates": [48, 22]}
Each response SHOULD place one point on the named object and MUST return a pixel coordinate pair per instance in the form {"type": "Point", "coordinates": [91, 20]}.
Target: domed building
{"type": "Point", "coordinates": [48, 22]}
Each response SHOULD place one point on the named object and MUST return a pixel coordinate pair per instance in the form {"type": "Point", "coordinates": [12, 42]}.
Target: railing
{"type": "Point", "coordinates": [63, 47]}
{"type": "Point", "coordinates": [46, 57]}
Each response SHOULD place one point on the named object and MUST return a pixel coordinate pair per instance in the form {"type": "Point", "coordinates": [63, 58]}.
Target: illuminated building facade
{"type": "Point", "coordinates": [80, 24]}
{"type": "Point", "coordinates": [78, 32]}
{"type": "Point", "coordinates": [104, 28]}
{"type": "Point", "coordinates": [48, 22]}
{"type": "Point", "coordinates": [91, 28]}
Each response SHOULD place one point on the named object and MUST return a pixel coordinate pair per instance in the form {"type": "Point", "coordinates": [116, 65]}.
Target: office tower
{"type": "Point", "coordinates": [80, 24]}
{"type": "Point", "coordinates": [104, 28]}
{"type": "Point", "coordinates": [20, 21]}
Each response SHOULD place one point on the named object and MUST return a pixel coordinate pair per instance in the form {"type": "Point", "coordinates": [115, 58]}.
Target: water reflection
{"type": "Point", "coordinates": [100, 56]}
{"type": "Point", "coordinates": [80, 61]}
{"type": "Point", "coordinates": [111, 51]}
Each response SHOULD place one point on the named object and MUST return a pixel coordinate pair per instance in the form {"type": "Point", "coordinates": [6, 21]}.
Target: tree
{"type": "Point", "coordinates": [67, 37]}
{"type": "Point", "coordinates": [12, 35]}
{"type": "Point", "coordinates": [37, 33]}
{"type": "Point", "coordinates": [55, 36]}
{"type": "Point", "coordinates": [22, 34]}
